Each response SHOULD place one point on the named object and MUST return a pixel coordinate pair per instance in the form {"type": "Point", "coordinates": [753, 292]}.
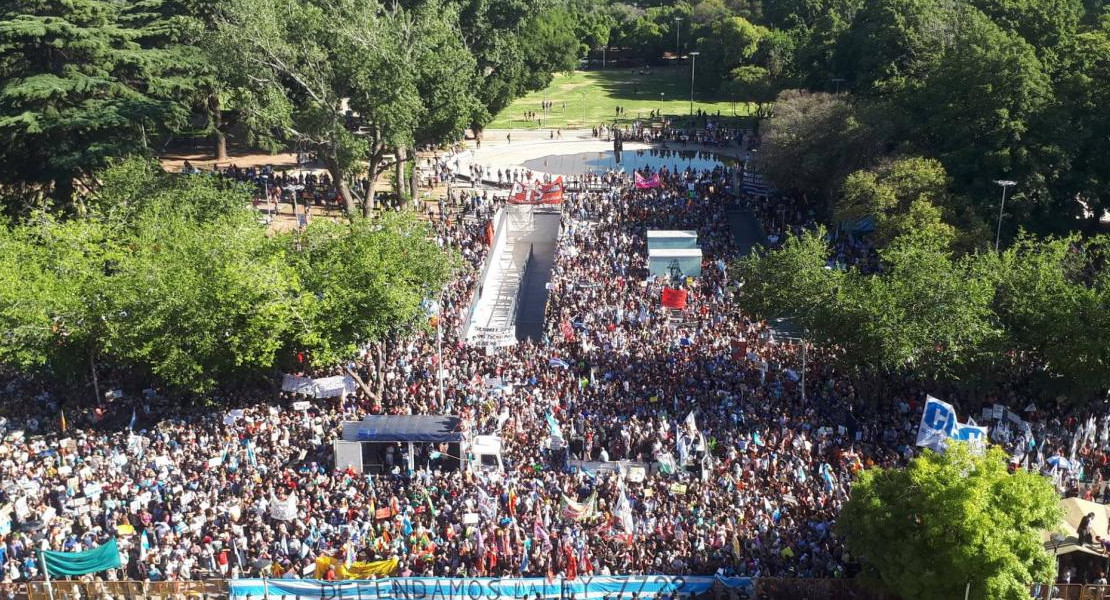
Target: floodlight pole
{"type": "Point", "coordinates": [693, 65]}
{"type": "Point", "coordinates": [1005, 183]}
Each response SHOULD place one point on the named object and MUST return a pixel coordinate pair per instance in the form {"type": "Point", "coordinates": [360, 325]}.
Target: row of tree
{"type": "Point", "coordinates": [993, 90]}
{"type": "Point", "coordinates": [85, 81]}
{"type": "Point", "coordinates": [171, 278]}
{"type": "Point", "coordinates": [1035, 313]}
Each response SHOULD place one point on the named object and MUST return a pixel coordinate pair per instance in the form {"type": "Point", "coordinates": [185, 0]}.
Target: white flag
{"type": "Point", "coordinates": [623, 512]}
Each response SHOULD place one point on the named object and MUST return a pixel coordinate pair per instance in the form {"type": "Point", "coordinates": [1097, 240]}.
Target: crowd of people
{"type": "Point", "coordinates": [638, 438]}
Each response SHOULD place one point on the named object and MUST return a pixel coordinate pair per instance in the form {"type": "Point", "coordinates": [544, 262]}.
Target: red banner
{"type": "Point", "coordinates": [552, 193]}
{"type": "Point", "coordinates": [537, 193]}
{"type": "Point", "coordinates": [674, 298]}
{"type": "Point", "coordinates": [520, 194]}
{"type": "Point", "coordinates": [644, 183]}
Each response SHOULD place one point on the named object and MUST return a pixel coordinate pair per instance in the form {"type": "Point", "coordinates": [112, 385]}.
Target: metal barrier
{"type": "Point", "coordinates": [1072, 591]}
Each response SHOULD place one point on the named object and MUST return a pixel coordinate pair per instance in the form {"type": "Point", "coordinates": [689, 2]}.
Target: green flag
{"type": "Point", "coordinates": [81, 563]}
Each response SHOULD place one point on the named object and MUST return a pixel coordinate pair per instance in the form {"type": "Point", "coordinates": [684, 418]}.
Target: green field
{"type": "Point", "coordinates": [591, 98]}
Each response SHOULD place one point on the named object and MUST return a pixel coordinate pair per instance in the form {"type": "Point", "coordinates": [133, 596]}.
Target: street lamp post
{"type": "Point", "coordinates": [693, 64]}
{"type": "Point", "coordinates": [661, 105]}
{"type": "Point", "coordinates": [677, 31]}
{"type": "Point", "coordinates": [1005, 183]}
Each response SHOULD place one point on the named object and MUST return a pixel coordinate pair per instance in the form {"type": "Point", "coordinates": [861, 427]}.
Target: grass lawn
{"type": "Point", "coordinates": [591, 98]}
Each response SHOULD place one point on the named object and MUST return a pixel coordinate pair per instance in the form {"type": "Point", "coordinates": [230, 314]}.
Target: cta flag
{"type": "Point", "coordinates": [644, 183]}
{"type": "Point", "coordinates": [62, 564]}
{"type": "Point", "coordinates": [673, 298]}
{"type": "Point", "coordinates": [938, 421]}
{"type": "Point", "coordinates": [939, 424]}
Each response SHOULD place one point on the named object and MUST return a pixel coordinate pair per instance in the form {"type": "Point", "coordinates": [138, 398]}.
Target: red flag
{"type": "Point", "coordinates": [674, 298]}
{"type": "Point", "coordinates": [520, 194]}
{"type": "Point", "coordinates": [568, 332]}
{"type": "Point", "coordinates": [489, 233]}
{"type": "Point", "coordinates": [552, 193]}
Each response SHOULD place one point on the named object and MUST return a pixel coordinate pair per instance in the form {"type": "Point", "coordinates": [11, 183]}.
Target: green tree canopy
{"type": "Point", "coordinates": [727, 44]}
{"type": "Point", "coordinates": [814, 140]}
{"type": "Point", "coordinates": [924, 531]}
{"type": "Point", "coordinates": [1054, 301]}
{"type": "Point", "coordinates": [898, 197]}
{"type": "Point", "coordinates": [77, 88]}
{"type": "Point", "coordinates": [926, 313]}
{"type": "Point", "coordinates": [173, 276]}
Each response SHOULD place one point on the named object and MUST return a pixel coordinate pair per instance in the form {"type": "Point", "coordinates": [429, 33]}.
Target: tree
{"type": "Point", "coordinates": [752, 84]}
{"type": "Point", "coordinates": [925, 531]}
{"type": "Point", "coordinates": [201, 304]}
{"type": "Point", "coordinates": [366, 279]}
{"type": "Point", "coordinates": [926, 314]}
{"type": "Point", "coordinates": [728, 44]}
{"type": "Point", "coordinates": [1075, 132]}
{"type": "Point", "coordinates": [898, 197]}
{"type": "Point", "coordinates": [409, 79]}
{"type": "Point", "coordinates": [55, 301]}
{"type": "Point", "coordinates": [1045, 24]}
{"type": "Point", "coordinates": [814, 141]}
{"type": "Point", "coordinates": [1053, 299]}
{"type": "Point", "coordinates": [291, 86]}
{"type": "Point", "coordinates": [979, 103]}
{"type": "Point", "coordinates": [508, 61]}
{"type": "Point", "coordinates": [893, 45]}
{"type": "Point", "coordinates": [78, 89]}
{"type": "Point", "coordinates": [172, 277]}
{"type": "Point", "coordinates": [791, 281]}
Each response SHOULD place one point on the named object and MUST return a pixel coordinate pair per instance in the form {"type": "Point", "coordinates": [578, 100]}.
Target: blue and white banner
{"type": "Point", "coordinates": [938, 421]}
{"type": "Point", "coordinates": [940, 424]}
{"type": "Point", "coordinates": [478, 588]}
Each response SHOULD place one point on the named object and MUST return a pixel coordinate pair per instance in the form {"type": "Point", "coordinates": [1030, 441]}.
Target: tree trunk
{"type": "Point", "coordinates": [414, 179]}
{"type": "Point", "coordinates": [95, 379]}
{"type": "Point", "coordinates": [381, 368]}
{"type": "Point", "coordinates": [64, 191]}
{"type": "Point", "coordinates": [400, 175]}
{"type": "Point", "coordinates": [340, 181]}
{"type": "Point", "coordinates": [374, 171]}
{"type": "Point", "coordinates": [219, 137]}
{"type": "Point", "coordinates": [363, 385]}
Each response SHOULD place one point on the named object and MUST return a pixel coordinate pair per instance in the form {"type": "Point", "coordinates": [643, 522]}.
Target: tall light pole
{"type": "Point", "coordinates": [661, 105]}
{"type": "Point", "coordinates": [677, 31]}
{"type": "Point", "coordinates": [693, 64]}
{"type": "Point", "coordinates": [1005, 183]}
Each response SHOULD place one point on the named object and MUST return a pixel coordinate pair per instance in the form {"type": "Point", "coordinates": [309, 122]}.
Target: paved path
{"type": "Point", "coordinates": [746, 229]}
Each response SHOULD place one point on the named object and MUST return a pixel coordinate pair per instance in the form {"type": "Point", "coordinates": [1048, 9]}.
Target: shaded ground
{"type": "Point", "coordinates": [587, 98]}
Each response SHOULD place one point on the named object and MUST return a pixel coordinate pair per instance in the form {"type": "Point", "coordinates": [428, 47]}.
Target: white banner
{"type": "Point", "coordinates": [297, 384]}
{"type": "Point", "coordinates": [284, 510]}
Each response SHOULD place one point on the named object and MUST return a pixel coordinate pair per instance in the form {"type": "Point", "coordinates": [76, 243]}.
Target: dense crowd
{"type": "Point", "coordinates": [727, 464]}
